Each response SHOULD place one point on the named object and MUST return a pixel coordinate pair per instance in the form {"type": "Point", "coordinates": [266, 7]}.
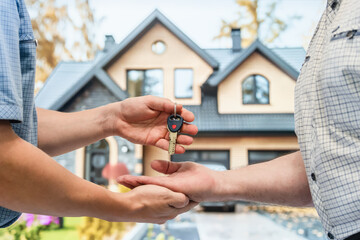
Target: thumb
{"type": "Point", "coordinates": [165, 167]}
{"type": "Point", "coordinates": [136, 181]}
{"type": "Point", "coordinates": [179, 200]}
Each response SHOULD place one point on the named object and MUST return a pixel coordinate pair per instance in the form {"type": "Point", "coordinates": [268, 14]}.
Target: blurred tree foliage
{"type": "Point", "coordinates": [254, 24]}
{"type": "Point", "coordinates": [65, 31]}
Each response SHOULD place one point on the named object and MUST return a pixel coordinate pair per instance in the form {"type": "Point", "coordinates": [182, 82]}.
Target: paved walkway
{"type": "Point", "coordinates": [240, 226]}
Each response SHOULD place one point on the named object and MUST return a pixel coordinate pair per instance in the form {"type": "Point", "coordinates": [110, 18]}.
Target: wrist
{"type": "Point", "coordinates": [112, 207]}
{"type": "Point", "coordinates": [227, 187]}
{"type": "Point", "coordinates": [220, 189]}
{"type": "Point", "coordinates": [109, 119]}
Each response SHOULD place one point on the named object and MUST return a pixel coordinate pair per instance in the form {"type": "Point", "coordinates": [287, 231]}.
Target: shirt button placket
{"type": "Point", "coordinates": [313, 177]}
{"type": "Point", "coordinates": [334, 5]}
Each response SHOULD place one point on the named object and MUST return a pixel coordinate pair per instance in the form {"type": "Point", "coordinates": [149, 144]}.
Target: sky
{"type": "Point", "coordinates": [201, 19]}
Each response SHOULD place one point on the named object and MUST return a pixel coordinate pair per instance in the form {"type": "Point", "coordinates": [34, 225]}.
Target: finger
{"type": "Point", "coordinates": [136, 181]}
{"type": "Point", "coordinates": [127, 185]}
{"type": "Point", "coordinates": [179, 200]}
{"type": "Point", "coordinates": [130, 181]}
{"type": "Point", "coordinates": [184, 140]}
{"type": "Point", "coordinates": [165, 167]}
{"type": "Point", "coordinates": [189, 129]}
{"type": "Point", "coordinates": [187, 208]}
{"type": "Point", "coordinates": [181, 139]}
{"type": "Point", "coordinates": [163, 104]}
{"type": "Point", "coordinates": [164, 144]}
{"type": "Point", "coordinates": [166, 105]}
{"type": "Point", "coordinates": [187, 115]}
{"type": "Point", "coordinates": [179, 149]}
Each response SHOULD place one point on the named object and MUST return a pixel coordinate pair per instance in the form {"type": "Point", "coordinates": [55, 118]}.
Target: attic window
{"type": "Point", "coordinates": [255, 90]}
{"type": "Point", "coordinates": [158, 47]}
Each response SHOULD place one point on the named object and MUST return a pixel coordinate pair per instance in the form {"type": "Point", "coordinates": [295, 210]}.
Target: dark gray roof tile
{"type": "Point", "coordinates": [207, 119]}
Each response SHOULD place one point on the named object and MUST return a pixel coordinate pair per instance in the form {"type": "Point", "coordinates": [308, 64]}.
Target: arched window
{"type": "Point", "coordinates": [255, 90]}
{"type": "Point", "coordinates": [97, 156]}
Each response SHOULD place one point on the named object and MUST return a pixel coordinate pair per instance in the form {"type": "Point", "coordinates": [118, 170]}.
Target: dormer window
{"type": "Point", "coordinates": [255, 90]}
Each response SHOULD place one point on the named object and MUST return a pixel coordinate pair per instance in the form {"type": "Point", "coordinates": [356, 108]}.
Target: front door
{"type": "Point", "coordinates": [97, 156]}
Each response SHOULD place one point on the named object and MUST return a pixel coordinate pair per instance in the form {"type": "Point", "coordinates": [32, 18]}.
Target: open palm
{"type": "Point", "coordinates": [198, 182]}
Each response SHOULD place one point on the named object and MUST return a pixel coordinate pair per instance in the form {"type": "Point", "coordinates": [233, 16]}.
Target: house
{"type": "Point", "coordinates": [242, 98]}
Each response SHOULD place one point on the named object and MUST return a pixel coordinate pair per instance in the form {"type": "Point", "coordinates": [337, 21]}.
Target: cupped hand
{"type": "Point", "coordinates": [197, 182]}
{"type": "Point", "coordinates": [155, 204]}
{"type": "Point", "coordinates": [143, 120]}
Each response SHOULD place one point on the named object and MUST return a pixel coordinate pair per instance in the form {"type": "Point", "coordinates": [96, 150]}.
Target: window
{"type": "Point", "coordinates": [263, 156]}
{"type": "Point", "coordinates": [183, 83]}
{"type": "Point", "coordinates": [145, 82]}
{"type": "Point", "coordinates": [255, 90]}
{"type": "Point", "coordinates": [97, 156]}
{"type": "Point", "coordinates": [209, 158]}
{"type": "Point", "coordinates": [158, 47]}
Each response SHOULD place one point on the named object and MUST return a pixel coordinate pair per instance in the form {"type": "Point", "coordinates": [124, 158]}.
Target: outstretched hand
{"type": "Point", "coordinates": [198, 182]}
{"type": "Point", "coordinates": [143, 120]}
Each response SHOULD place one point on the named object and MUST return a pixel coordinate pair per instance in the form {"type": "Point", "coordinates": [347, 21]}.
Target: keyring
{"type": "Point", "coordinates": [175, 109]}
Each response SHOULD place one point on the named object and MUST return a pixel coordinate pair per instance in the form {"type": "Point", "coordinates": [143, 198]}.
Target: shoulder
{"type": "Point", "coordinates": [10, 6]}
{"type": "Point", "coordinates": [9, 17]}
{"type": "Point", "coordinates": [348, 15]}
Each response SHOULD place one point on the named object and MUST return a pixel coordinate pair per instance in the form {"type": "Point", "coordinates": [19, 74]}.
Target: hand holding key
{"type": "Point", "coordinates": [143, 120]}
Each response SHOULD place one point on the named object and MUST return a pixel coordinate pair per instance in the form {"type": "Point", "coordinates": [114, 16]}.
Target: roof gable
{"type": "Point", "coordinates": [61, 79]}
{"type": "Point", "coordinates": [262, 49]}
{"type": "Point", "coordinates": [156, 17]}
{"type": "Point", "coordinates": [70, 77]}
{"type": "Point", "coordinates": [97, 67]}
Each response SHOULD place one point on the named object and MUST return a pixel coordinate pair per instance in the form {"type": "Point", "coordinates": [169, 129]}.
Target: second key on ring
{"type": "Point", "coordinates": [174, 124]}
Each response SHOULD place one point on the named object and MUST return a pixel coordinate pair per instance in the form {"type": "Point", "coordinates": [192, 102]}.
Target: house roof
{"type": "Point", "coordinates": [156, 17]}
{"type": "Point", "coordinates": [294, 56]}
{"type": "Point", "coordinates": [287, 66]}
{"type": "Point", "coordinates": [68, 78]}
{"type": "Point", "coordinates": [64, 77]}
{"type": "Point", "coordinates": [209, 120]}
{"type": "Point", "coordinates": [62, 88]}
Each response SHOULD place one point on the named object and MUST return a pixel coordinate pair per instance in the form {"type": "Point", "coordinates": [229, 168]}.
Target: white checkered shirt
{"type": "Point", "coordinates": [327, 118]}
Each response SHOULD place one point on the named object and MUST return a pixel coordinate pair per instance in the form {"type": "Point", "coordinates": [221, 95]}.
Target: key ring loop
{"type": "Point", "coordinates": [175, 109]}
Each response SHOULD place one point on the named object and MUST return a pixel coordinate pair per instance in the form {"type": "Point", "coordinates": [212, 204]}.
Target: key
{"type": "Point", "coordinates": [174, 124]}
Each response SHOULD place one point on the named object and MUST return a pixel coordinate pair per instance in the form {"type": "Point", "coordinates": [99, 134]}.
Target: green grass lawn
{"type": "Point", "coordinates": [69, 232]}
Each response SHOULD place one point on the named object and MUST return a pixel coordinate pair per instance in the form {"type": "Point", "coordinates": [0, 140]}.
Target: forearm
{"type": "Point", "coordinates": [32, 182]}
{"type": "Point", "coordinates": [281, 181]}
{"type": "Point", "coordinates": [59, 132]}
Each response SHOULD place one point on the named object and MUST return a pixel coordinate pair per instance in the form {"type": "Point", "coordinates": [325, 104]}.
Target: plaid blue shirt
{"type": "Point", "coordinates": [17, 77]}
{"type": "Point", "coordinates": [327, 118]}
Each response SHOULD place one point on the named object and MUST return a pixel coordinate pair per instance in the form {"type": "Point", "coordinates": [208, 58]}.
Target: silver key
{"type": "Point", "coordinates": [174, 124]}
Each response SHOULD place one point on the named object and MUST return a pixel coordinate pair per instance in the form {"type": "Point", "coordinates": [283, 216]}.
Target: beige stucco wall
{"type": "Point", "coordinates": [281, 88]}
{"type": "Point", "coordinates": [238, 147]}
{"type": "Point", "coordinates": [177, 55]}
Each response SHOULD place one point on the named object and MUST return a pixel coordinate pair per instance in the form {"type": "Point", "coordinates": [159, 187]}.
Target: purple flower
{"type": "Point", "coordinates": [44, 220]}
{"type": "Point", "coordinates": [29, 218]}
{"type": "Point", "coordinates": [56, 220]}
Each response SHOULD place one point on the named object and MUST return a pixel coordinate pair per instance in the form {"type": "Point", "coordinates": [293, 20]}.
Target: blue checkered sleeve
{"type": "Point", "coordinates": [10, 69]}
{"type": "Point", "coordinates": [10, 78]}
